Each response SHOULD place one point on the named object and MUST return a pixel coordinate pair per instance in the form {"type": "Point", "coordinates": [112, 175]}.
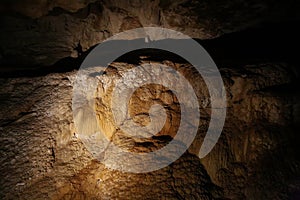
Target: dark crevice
{"type": "Point", "coordinates": [285, 90]}
{"type": "Point", "coordinates": [63, 65]}
{"type": "Point", "coordinates": [273, 42]}
{"type": "Point", "coordinates": [82, 13]}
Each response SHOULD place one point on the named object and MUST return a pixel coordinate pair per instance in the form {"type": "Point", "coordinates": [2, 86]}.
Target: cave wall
{"type": "Point", "coordinates": [35, 33]}
{"type": "Point", "coordinates": [43, 158]}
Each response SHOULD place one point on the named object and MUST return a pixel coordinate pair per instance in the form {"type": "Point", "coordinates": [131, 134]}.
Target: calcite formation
{"type": "Point", "coordinates": [43, 158]}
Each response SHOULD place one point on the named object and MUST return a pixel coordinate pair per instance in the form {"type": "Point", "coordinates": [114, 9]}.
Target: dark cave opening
{"type": "Point", "coordinates": [270, 42]}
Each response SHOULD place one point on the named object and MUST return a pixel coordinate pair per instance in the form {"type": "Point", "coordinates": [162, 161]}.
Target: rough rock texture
{"type": "Point", "coordinates": [43, 32]}
{"type": "Point", "coordinates": [42, 158]}
{"type": "Point", "coordinates": [41, 155]}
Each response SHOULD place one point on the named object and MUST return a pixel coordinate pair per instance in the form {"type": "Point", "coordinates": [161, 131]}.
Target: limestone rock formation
{"type": "Point", "coordinates": [42, 157]}
{"type": "Point", "coordinates": [42, 153]}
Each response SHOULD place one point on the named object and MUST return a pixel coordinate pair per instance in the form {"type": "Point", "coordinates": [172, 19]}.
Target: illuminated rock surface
{"type": "Point", "coordinates": [42, 158]}
{"type": "Point", "coordinates": [256, 157]}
